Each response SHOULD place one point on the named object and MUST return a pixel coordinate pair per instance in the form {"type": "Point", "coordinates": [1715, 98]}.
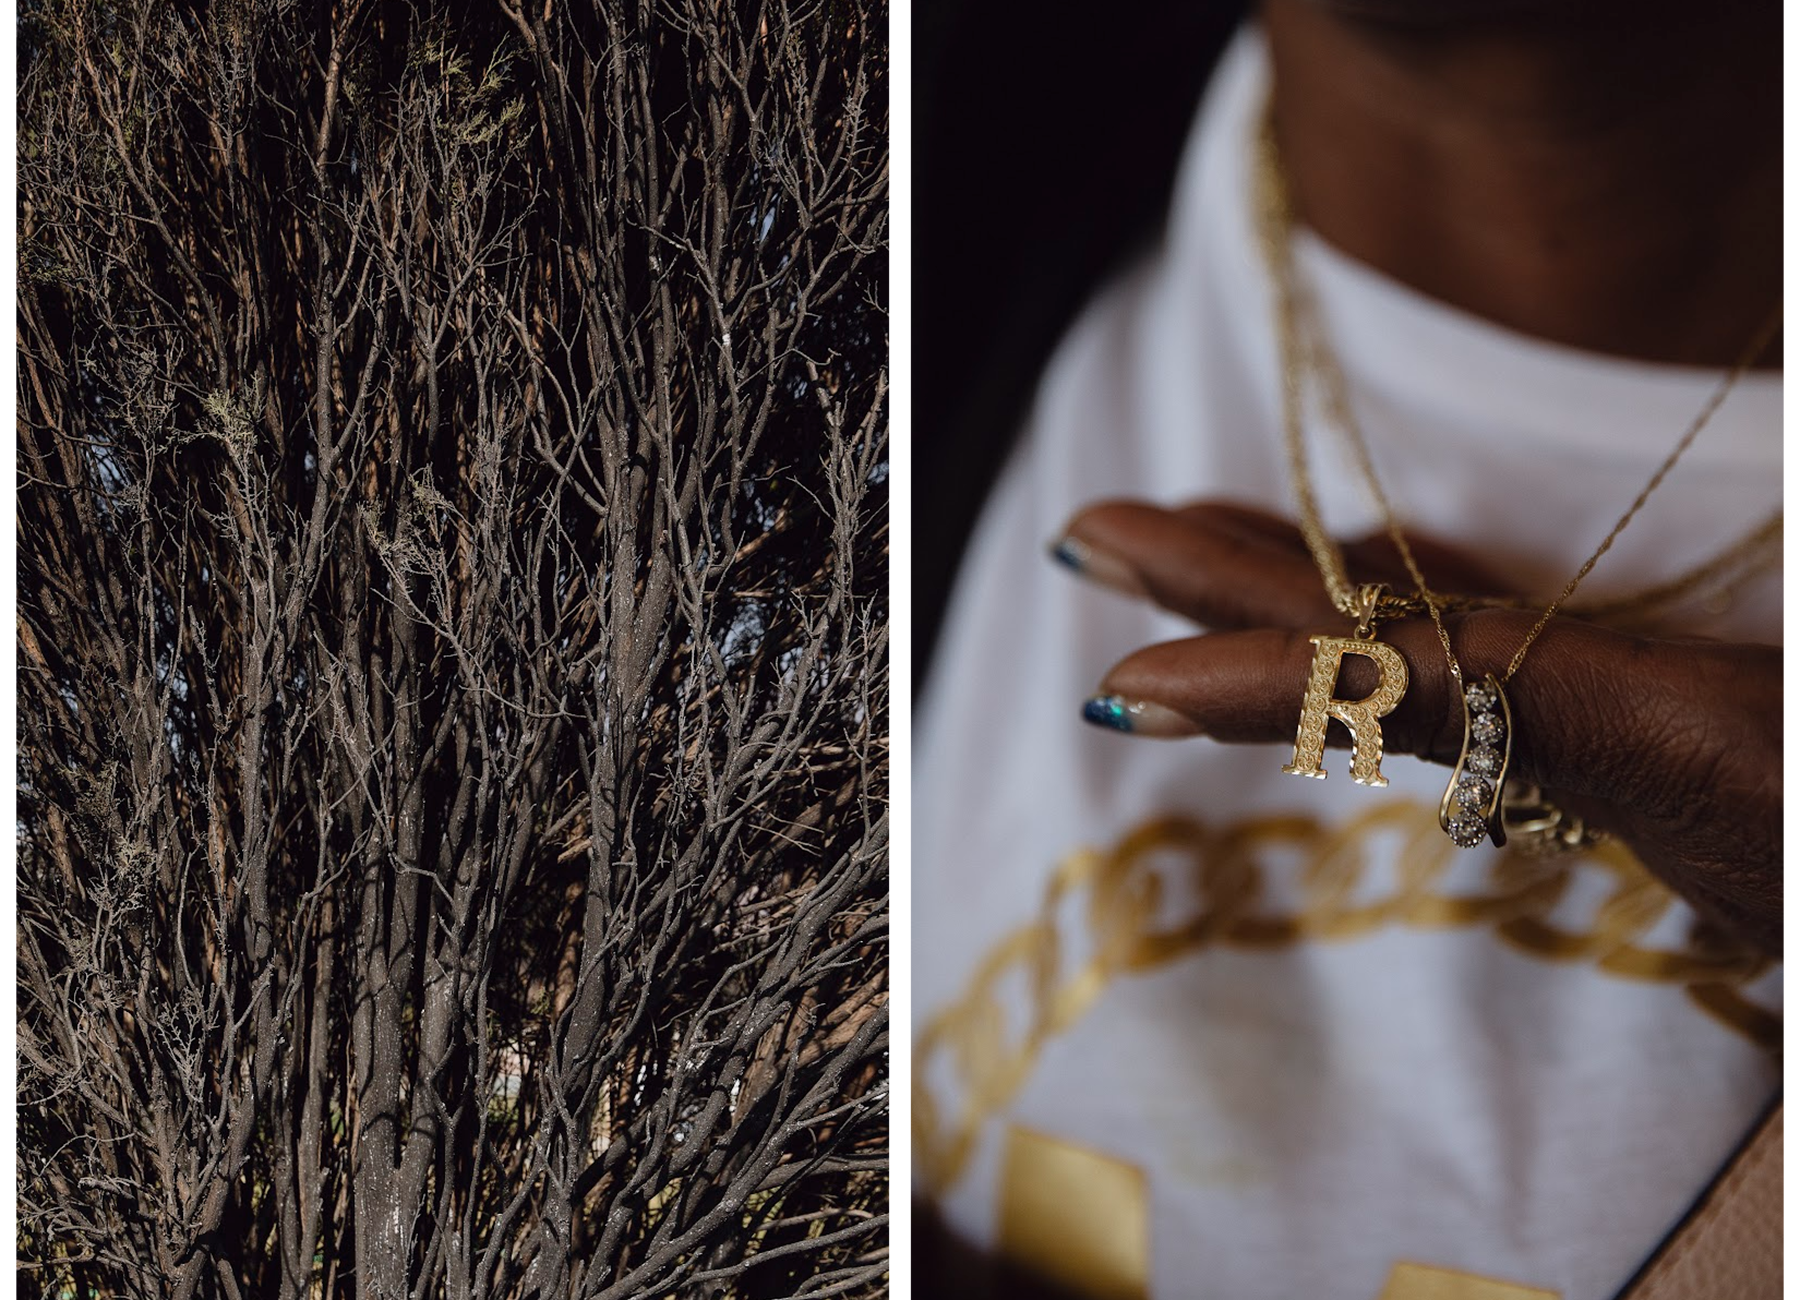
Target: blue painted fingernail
{"type": "Point", "coordinates": [1072, 553]}
{"type": "Point", "coordinates": [1097, 566]}
{"type": "Point", "coordinates": [1138, 718]}
{"type": "Point", "coordinates": [1107, 711]}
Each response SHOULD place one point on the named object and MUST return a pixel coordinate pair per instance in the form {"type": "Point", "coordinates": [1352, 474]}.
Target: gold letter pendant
{"type": "Point", "coordinates": [1362, 717]}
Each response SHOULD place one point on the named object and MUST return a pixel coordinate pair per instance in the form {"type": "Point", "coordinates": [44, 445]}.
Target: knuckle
{"type": "Point", "coordinates": [1701, 738]}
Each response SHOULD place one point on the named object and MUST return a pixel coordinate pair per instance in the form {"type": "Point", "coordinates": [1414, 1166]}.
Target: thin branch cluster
{"type": "Point", "coordinates": [453, 649]}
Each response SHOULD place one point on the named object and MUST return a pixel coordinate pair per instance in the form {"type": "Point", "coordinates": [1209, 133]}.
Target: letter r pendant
{"type": "Point", "coordinates": [1362, 717]}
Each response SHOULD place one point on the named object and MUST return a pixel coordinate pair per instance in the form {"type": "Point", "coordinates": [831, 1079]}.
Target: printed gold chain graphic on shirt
{"type": "Point", "coordinates": [972, 1058]}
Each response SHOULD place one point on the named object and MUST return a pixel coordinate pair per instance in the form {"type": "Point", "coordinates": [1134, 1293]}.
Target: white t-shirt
{"type": "Point", "coordinates": [1189, 1026]}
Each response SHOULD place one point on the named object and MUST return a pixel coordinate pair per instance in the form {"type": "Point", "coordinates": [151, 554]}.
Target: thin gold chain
{"type": "Point", "coordinates": [1758, 550]}
{"type": "Point", "coordinates": [1274, 227]}
{"type": "Point", "coordinates": [1759, 538]}
{"type": "Point", "coordinates": [1727, 571]}
{"type": "Point", "coordinates": [1275, 230]}
{"type": "Point", "coordinates": [1758, 346]}
{"type": "Point", "coordinates": [1325, 552]}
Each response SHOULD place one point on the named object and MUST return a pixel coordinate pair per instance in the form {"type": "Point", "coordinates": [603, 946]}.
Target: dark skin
{"type": "Point", "coordinates": [1605, 179]}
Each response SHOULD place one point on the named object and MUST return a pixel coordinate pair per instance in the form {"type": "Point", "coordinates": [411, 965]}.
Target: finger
{"type": "Point", "coordinates": [1249, 519]}
{"type": "Point", "coordinates": [1372, 558]}
{"type": "Point", "coordinates": [1226, 565]}
{"type": "Point", "coordinates": [1246, 687]}
{"type": "Point", "coordinates": [1580, 710]}
{"type": "Point", "coordinates": [1447, 568]}
{"type": "Point", "coordinates": [1210, 564]}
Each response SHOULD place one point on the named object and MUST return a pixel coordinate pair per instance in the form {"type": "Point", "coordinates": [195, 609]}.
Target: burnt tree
{"type": "Point", "coordinates": [453, 649]}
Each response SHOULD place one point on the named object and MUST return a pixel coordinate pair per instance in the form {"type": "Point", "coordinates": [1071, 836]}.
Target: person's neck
{"type": "Point", "coordinates": [1612, 184]}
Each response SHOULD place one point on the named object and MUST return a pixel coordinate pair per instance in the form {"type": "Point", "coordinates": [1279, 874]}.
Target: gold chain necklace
{"type": "Point", "coordinates": [1478, 803]}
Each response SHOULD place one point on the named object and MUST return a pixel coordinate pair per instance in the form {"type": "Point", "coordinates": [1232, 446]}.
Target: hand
{"type": "Point", "coordinates": [1672, 744]}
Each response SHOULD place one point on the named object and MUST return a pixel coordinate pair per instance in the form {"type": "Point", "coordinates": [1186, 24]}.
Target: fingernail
{"type": "Point", "coordinates": [1097, 566]}
{"type": "Point", "coordinates": [1138, 717]}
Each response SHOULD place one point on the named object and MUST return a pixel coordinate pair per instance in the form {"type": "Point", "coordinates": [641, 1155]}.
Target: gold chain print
{"type": "Point", "coordinates": [973, 1057]}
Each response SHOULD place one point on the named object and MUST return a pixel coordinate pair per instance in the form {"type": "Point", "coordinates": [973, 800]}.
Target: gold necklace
{"type": "Point", "coordinates": [1478, 802]}
{"type": "Point", "coordinates": [1715, 578]}
{"type": "Point", "coordinates": [1366, 605]}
